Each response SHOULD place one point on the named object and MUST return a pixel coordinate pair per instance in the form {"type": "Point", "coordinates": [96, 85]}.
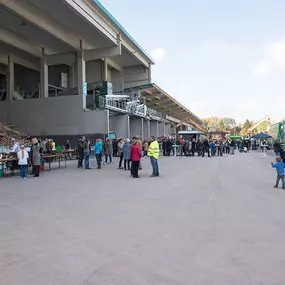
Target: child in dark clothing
{"type": "Point", "coordinates": [279, 165]}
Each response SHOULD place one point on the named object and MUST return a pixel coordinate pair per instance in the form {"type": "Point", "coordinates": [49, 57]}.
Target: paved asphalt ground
{"type": "Point", "coordinates": [211, 221]}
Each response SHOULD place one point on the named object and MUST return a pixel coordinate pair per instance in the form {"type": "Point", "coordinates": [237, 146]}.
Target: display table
{"type": "Point", "coordinates": [50, 157]}
{"type": "Point", "coordinates": [7, 161]}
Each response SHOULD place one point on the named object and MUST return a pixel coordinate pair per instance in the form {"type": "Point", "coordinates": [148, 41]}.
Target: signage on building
{"type": "Point", "coordinates": [84, 88]}
{"type": "Point", "coordinates": [64, 80]}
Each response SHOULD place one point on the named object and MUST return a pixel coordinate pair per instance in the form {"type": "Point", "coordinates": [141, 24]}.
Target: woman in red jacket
{"type": "Point", "coordinates": [136, 155]}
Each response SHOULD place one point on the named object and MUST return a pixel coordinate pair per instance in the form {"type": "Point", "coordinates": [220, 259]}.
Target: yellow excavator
{"type": "Point", "coordinates": [253, 128]}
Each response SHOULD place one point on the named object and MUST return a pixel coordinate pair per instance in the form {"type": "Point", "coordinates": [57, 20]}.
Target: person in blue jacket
{"type": "Point", "coordinates": [279, 165]}
{"type": "Point", "coordinates": [213, 148]}
{"type": "Point", "coordinates": [98, 152]}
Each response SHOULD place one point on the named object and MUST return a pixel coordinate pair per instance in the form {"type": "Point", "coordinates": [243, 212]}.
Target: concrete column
{"type": "Point", "coordinates": [142, 127]}
{"type": "Point", "coordinates": [105, 69]}
{"type": "Point", "coordinates": [157, 129]}
{"type": "Point", "coordinates": [43, 76]}
{"type": "Point", "coordinates": [81, 73]}
{"type": "Point", "coordinates": [149, 130]}
{"type": "Point", "coordinates": [167, 130]}
{"type": "Point", "coordinates": [72, 74]}
{"type": "Point", "coordinates": [120, 124]}
{"type": "Point", "coordinates": [146, 129]}
{"type": "Point", "coordinates": [10, 77]}
{"type": "Point", "coordinates": [136, 127]}
{"type": "Point", "coordinates": [129, 127]}
{"type": "Point", "coordinates": [161, 128]}
{"type": "Point", "coordinates": [154, 128]}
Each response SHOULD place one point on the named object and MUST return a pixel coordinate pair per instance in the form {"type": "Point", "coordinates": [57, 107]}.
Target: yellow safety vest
{"type": "Point", "coordinates": [153, 150]}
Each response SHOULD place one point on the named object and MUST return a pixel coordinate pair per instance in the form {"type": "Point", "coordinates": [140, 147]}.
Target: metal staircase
{"type": "Point", "coordinates": [124, 102]}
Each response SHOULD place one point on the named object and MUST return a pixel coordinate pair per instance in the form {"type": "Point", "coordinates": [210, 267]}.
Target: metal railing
{"type": "Point", "coordinates": [136, 83]}
{"type": "Point", "coordinates": [153, 114]}
{"type": "Point", "coordinates": [55, 91]}
{"type": "Point", "coordinates": [2, 94]}
{"type": "Point", "coordinates": [35, 93]}
{"type": "Point", "coordinates": [135, 108]}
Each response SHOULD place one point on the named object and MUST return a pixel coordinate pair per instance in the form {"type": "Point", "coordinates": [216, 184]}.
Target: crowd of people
{"type": "Point", "coordinates": [200, 147]}
{"type": "Point", "coordinates": [193, 147]}
{"type": "Point", "coordinates": [25, 158]}
{"type": "Point", "coordinates": [129, 152]}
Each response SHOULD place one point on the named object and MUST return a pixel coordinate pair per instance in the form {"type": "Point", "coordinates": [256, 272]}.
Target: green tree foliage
{"type": "Point", "coordinates": [229, 125]}
{"type": "Point", "coordinates": [246, 125]}
{"type": "Point", "coordinates": [219, 124]}
{"type": "Point", "coordinates": [236, 131]}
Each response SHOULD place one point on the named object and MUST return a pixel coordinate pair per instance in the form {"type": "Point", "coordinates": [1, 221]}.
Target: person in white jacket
{"type": "Point", "coordinates": [15, 147]}
{"type": "Point", "coordinates": [23, 157]}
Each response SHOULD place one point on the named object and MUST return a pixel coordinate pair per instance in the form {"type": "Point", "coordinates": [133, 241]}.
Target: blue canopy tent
{"type": "Point", "coordinates": [262, 136]}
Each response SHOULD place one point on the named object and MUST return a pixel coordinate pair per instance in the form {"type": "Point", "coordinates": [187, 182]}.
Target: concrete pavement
{"type": "Point", "coordinates": [210, 221]}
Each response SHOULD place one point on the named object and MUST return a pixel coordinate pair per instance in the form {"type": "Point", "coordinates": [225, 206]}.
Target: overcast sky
{"type": "Point", "coordinates": [219, 58]}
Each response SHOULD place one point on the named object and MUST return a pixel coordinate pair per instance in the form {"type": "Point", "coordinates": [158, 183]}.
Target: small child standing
{"type": "Point", "coordinates": [23, 157]}
{"type": "Point", "coordinates": [279, 165]}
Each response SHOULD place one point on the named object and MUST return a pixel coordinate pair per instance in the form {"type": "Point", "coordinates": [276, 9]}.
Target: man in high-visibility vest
{"type": "Point", "coordinates": [153, 153]}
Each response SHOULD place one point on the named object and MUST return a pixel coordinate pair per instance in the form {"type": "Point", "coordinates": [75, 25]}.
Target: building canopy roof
{"type": "Point", "coordinates": [159, 100]}
{"type": "Point", "coordinates": [123, 31]}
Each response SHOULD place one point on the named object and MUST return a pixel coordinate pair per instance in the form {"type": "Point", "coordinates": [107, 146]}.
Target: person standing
{"type": "Point", "coordinates": [136, 155]}
{"type": "Point", "coordinates": [44, 145]}
{"type": "Point", "coordinates": [206, 148]}
{"type": "Point", "coordinates": [36, 159]}
{"type": "Point", "coordinates": [213, 148]}
{"type": "Point", "coordinates": [15, 146]}
{"type": "Point", "coordinates": [145, 148]}
{"type": "Point", "coordinates": [193, 146]}
{"type": "Point", "coordinates": [140, 144]}
{"type": "Point", "coordinates": [232, 147]}
{"type": "Point", "coordinates": [108, 150]}
{"type": "Point", "coordinates": [53, 145]}
{"type": "Point", "coordinates": [67, 148]}
{"type": "Point", "coordinates": [86, 154]}
{"type": "Point", "coordinates": [217, 147]}
{"type": "Point", "coordinates": [186, 148]}
{"type": "Point", "coordinates": [199, 147]}
{"type": "Point", "coordinates": [279, 165]}
{"type": "Point", "coordinates": [221, 148]}
{"type": "Point", "coordinates": [98, 152]}
{"type": "Point", "coordinates": [49, 146]}
{"type": "Point", "coordinates": [115, 147]}
{"type": "Point", "coordinates": [23, 157]}
{"type": "Point", "coordinates": [127, 154]}
{"type": "Point", "coordinates": [120, 152]}
{"type": "Point", "coordinates": [153, 153]}
{"type": "Point", "coordinates": [164, 147]}
{"type": "Point", "coordinates": [168, 147]}
{"type": "Point", "coordinates": [80, 150]}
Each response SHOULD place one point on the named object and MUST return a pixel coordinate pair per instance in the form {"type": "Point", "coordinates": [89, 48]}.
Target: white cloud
{"type": "Point", "coordinates": [273, 59]}
{"type": "Point", "coordinates": [263, 67]}
{"type": "Point", "coordinates": [158, 54]}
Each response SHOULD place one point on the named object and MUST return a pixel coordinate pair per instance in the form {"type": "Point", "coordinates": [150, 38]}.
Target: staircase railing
{"type": "Point", "coordinates": [35, 92]}
{"type": "Point", "coordinates": [55, 90]}
{"type": "Point", "coordinates": [2, 94]}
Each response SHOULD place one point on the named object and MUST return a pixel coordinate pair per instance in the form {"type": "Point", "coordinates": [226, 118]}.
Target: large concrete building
{"type": "Point", "coordinates": [68, 67]}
